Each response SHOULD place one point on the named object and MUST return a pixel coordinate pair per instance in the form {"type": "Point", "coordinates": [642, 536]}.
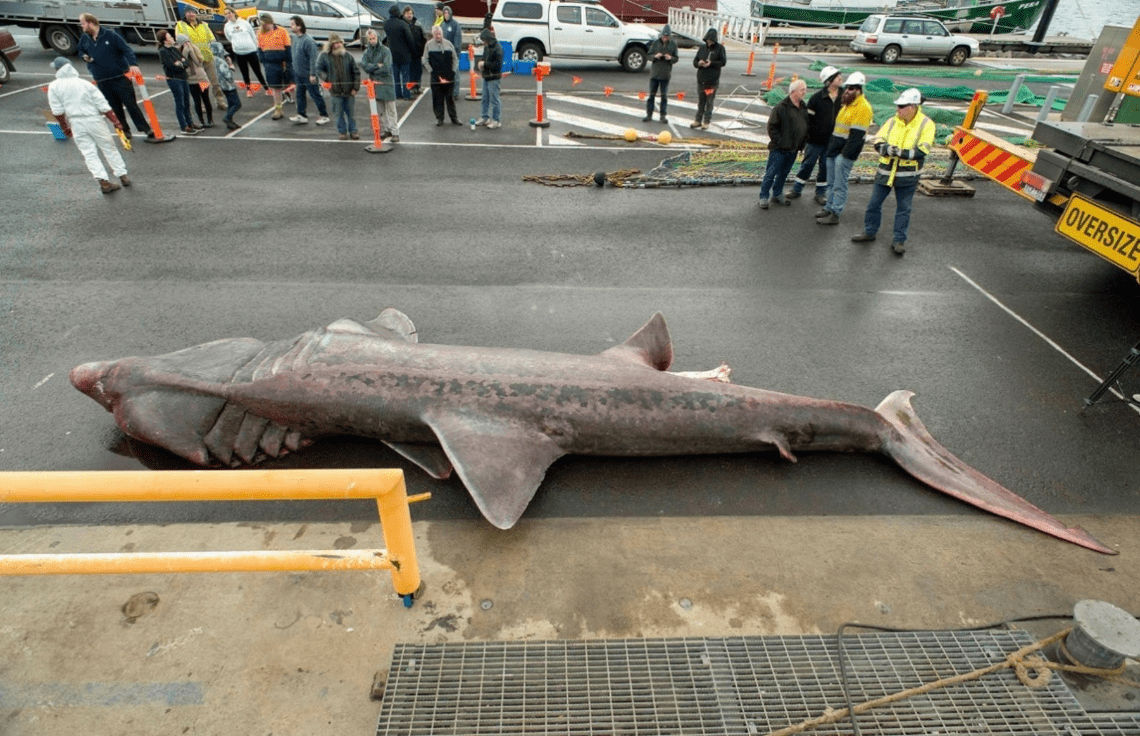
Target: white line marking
{"type": "Point", "coordinates": [406, 143]}
{"type": "Point", "coordinates": [43, 381]}
{"type": "Point", "coordinates": [538, 137]}
{"type": "Point", "coordinates": [1039, 333]}
{"type": "Point", "coordinates": [411, 107]}
{"type": "Point", "coordinates": [18, 91]}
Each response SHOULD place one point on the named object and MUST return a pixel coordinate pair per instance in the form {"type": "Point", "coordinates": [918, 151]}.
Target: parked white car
{"type": "Point", "coordinates": [322, 16]}
{"type": "Point", "coordinates": [889, 37]}
{"type": "Point", "coordinates": [571, 29]}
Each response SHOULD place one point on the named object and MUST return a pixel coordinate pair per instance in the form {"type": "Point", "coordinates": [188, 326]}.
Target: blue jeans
{"type": "Point", "coordinates": [812, 154]}
{"type": "Point", "coordinates": [180, 91]}
{"type": "Point", "coordinates": [314, 90]}
{"type": "Point", "coordinates": [838, 170]}
{"type": "Point", "coordinates": [904, 195]}
{"type": "Point", "coordinates": [654, 85]}
{"type": "Point", "coordinates": [403, 75]}
{"type": "Point", "coordinates": [233, 103]}
{"type": "Point", "coordinates": [491, 99]}
{"type": "Point", "coordinates": [776, 173]}
{"type": "Point", "coordinates": [342, 109]}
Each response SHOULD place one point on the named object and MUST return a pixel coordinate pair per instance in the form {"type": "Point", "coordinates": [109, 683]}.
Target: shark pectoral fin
{"type": "Point", "coordinates": [501, 463]}
{"type": "Point", "coordinates": [174, 420]}
{"type": "Point", "coordinates": [650, 346]}
{"type": "Point", "coordinates": [781, 443]}
{"type": "Point", "coordinates": [917, 452]}
{"type": "Point", "coordinates": [431, 459]}
{"type": "Point", "coordinates": [395, 324]}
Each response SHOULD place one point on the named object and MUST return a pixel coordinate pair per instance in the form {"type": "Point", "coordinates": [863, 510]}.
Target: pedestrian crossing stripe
{"type": "Point", "coordinates": [985, 153]}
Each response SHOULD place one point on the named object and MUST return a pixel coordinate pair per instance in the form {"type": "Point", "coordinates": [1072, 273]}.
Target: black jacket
{"type": "Point", "coordinates": [787, 126]}
{"type": "Point", "coordinates": [662, 68]}
{"type": "Point", "coordinates": [400, 41]}
{"type": "Point", "coordinates": [492, 56]}
{"type": "Point", "coordinates": [709, 76]}
{"type": "Point", "coordinates": [821, 112]}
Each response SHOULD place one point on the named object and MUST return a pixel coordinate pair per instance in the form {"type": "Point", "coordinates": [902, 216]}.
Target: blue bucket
{"type": "Point", "coordinates": [56, 131]}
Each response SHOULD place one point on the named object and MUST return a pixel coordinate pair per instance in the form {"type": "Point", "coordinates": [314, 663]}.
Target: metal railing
{"type": "Point", "coordinates": [386, 486]}
{"type": "Point", "coordinates": [695, 23]}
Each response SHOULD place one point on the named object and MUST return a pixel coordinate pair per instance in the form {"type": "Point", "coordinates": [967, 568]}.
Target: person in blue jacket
{"type": "Point", "coordinates": [108, 59]}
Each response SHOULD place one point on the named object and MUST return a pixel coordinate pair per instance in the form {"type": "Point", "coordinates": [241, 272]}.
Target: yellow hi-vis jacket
{"type": "Point", "coordinates": [913, 140]}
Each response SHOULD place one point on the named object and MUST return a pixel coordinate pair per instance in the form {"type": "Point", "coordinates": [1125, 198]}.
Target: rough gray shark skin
{"type": "Point", "coordinates": [500, 417]}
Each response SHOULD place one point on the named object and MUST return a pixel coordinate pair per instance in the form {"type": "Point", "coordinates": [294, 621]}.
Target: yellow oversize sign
{"type": "Point", "coordinates": [1103, 231]}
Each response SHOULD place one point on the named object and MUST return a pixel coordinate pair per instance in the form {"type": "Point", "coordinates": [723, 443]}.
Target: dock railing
{"type": "Point", "coordinates": [695, 23]}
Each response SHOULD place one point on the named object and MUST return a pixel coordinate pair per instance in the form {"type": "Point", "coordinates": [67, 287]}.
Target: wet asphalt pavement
{"type": "Point", "coordinates": [282, 229]}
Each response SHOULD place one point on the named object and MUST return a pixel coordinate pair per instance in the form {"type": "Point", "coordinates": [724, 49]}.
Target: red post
{"type": "Point", "coordinates": [772, 69]}
{"type": "Point", "coordinates": [540, 70]}
{"type": "Point", "coordinates": [751, 57]}
{"type": "Point", "coordinates": [378, 145]}
{"type": "Point", "coordinates": [151, 115]}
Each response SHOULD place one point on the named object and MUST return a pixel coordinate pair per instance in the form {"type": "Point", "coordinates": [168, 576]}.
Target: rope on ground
{"type": "Point", "coordinates": [616, 178]}
{"type": "Point", "coordinates": [1032, 671]}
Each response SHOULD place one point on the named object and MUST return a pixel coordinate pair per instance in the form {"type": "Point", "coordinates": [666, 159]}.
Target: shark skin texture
{"type": "Point", "coordinates": [501, 416]}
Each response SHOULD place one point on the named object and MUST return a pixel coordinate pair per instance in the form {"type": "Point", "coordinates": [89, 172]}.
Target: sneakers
{"type": "Point", "coordinates": [287, 98]}
{"type": "Point", "coordinates": [455, 121]}
{"type": "Point", "coordinates": [299, 119]}
{"type": "Point", "coordinates": [898, 247]}
{"type": "Point", "coordinates": [695, 124]}
{"type": "Point", "coordinates": [664, 120]}
{"type": "Point", "coordinates": [863, 238]}
{"type": "Point", "coordinates": [248, 92]}
{"type": "Point", "coordinates": [494, 124]}
{"type": "Point", "coordinates": [354, 135]}
{"type": "Point", "coordinates": [126, 181]}
{"type": "Point", "coordinates": [231, 125]}
{"type": "Point", "coordinates": [647, 119]}
{"type": "Point", "coordinates": [830, 219]}
{"type": "Point", "coordinates": [343, 136]}
{"type": "Point", "coordinates": [439, 122]}
{"type": "Point", "coordinates": [483, 121]}
{"type": "Point", "coordinates": [395, 139]}
{"type": "Point", "coordinates": [794, 194]}
{"type": "Point", "coordinates": [822, 213]}
{"type": "Point", "coordinates": [704, 126]}
{"type": "Point", "coordinates": [782, 200]}
{"type": "Point", "coordinates": [189, 131]}
{"type": "Point", "coordinates": [763, 203]}
{"type": "Point", "coordinates": [820, 199]}
{"type": "Point", "coordinates": [209, 123]}
{"type": "Point", "coordinates": [277, 114]}
{"type": "Point", "coordinates": [107, 186]}
{"type": "Point", "coordinates": [322, 119]}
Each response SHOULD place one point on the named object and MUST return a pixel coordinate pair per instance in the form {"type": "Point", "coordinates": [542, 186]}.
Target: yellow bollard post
{"type": "Point", "coordinates": [396, 522]}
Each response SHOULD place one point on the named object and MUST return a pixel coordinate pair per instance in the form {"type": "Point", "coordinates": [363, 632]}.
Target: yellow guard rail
{"type": "Point", "coordinates": [386, 486]}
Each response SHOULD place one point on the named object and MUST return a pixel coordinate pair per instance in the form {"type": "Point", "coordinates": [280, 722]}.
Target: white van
{"type": "Point", "coordinates": [571, 29]}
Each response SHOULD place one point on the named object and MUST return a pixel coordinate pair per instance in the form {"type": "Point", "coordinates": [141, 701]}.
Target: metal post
{"type": "Point", "coordinates": [1086, 110]}
{"type": "Point", "coordinates": [1017, 82]}
{"type": "Point", "coordinates": [1047, 106]}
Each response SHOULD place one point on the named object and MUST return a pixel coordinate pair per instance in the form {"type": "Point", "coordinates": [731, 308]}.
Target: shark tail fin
{"type": "Point", "coordinates": [917, 452]}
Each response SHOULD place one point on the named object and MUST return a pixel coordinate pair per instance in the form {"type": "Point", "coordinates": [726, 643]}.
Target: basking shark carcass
{"type": "Point", "coordinates": [498, 416]}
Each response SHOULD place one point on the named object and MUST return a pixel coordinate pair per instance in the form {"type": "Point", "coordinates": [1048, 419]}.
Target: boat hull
{"type": "Point", "coordinates": [1015, 15]}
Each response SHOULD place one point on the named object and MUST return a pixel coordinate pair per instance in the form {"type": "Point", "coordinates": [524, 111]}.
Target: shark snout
{"type": "Point", "coordinates": [90, 378]}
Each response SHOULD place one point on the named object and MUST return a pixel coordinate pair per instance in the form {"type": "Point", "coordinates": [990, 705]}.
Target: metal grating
{"type": "Point", "coordinates": [745, 686]}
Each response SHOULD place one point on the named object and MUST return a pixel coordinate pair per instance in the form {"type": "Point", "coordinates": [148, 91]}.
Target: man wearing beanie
{"type": "Point", "coordinates": [663, 53]}
{"type": "Point", "coordinates": [80, 109]}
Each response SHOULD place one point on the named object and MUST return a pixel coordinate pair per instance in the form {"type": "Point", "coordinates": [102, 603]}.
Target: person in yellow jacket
{"type": "Point", "coordinates": [902, 143]}
{"type": "Point", "coordinates": [201, 36]}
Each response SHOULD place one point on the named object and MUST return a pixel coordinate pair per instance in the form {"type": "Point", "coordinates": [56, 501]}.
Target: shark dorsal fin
{"type": "Point", "coordinates": [500, 462]}
{"type": "Point", "coordinates": [649, 346]}
{"type": "Point", "coordinates": [395, 324]}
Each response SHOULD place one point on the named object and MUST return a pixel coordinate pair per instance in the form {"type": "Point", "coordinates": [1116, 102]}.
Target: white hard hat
{"type": "Point", "coordinates": [910, 97]}
{"type": "Point", "coordinates": [856, 79]}
{"type": "Point", "coordinates": [827, 73]}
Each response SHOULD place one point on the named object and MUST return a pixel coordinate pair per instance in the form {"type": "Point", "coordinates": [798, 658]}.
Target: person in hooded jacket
{"type": "Point", "coordinates": [337, 67]}
{"type": "Point", "coordinates": [442, 63]}
{"type": "Point", "coordinates": [174, 68]}
{"type": "Point", "coordinates": [491, 67]}
{"type": "Point", "coordinates": [453, 33]}
{"type": "Point", "coordinates": [709, 60]}
{"type": "Point", "coordinates": [663, 53]}
{"type": "Point", "coordinates": [80, 108]}
{"type": "Point", "coordinates": [224, 68]}
{"type": "Point", "coordinates": [415, 65]}
{"type": "Point", "coordinates": [377, 63]}
{"type": "Point", "coordinates": [402, 46]}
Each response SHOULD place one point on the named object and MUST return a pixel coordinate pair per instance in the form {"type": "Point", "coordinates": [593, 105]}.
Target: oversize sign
{"type": "Point", "coordinates": [1103, 231]}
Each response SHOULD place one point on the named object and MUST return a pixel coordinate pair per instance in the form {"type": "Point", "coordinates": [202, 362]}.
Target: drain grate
{"type": "Point", "coordinates": [723, 687]}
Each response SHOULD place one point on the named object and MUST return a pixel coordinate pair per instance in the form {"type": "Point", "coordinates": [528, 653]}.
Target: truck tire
{"type": "Point", "coordinates": [530, 51]}
{"type": "Point", "coordinates": [958, 56]}
{"type": "Point", "coordinates": [633, 59]}
{"type": "Point", "coordinates": [890, 54]}
{"type": "Point", "coordinates": [62, 39]}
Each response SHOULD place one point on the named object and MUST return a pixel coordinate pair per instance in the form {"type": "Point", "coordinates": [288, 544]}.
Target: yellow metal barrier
{"type": "Point", "coordinates": [386, 486]}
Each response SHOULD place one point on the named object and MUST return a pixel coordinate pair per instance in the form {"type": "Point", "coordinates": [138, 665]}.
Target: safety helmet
{"type": "Point", "coordinates": [910, 97]}
{"type": "Point", "coordinates": [827, 73]}
{"type": "Point", "coordinates": [856, 79]}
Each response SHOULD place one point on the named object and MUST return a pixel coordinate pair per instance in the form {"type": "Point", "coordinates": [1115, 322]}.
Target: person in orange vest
{"type": "Point", "coordinates": [903, 143]}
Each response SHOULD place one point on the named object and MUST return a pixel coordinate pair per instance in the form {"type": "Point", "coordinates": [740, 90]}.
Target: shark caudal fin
{"type": "Point", "coordinates": [912, 447]}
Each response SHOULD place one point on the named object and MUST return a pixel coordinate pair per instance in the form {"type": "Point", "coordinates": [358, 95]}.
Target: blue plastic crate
{"type": "Point", "coordinates": [508, 56]}
{"type": "Point", "coordinates": [56, 131]}
{"type": "Point", "coordinates": [524, 67]}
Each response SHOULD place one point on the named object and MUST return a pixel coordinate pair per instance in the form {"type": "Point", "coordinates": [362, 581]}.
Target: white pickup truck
{"type": "Point", "coordinates": [571, 29]}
